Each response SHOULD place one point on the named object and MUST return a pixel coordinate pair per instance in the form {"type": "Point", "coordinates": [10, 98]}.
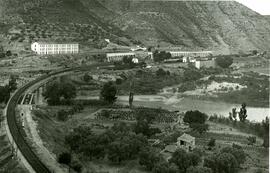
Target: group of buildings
{"type": "Point", "coordinates": [198, 58]}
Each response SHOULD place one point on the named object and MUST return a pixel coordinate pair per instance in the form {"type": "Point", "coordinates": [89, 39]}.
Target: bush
{"type": "Point", "coordinates": [212, 142]}
{"type": "Point", "coordinates": [195, 117]}
{"type": "Point", "coordinates": [223, 162]}
{"type": "Point", "coordinates": [251, 140]}
{"type": "Point", "coordinates": [224, 62]}
{"type": "Point", "coordinates": [62, 115]}
{"type": "Point", "coordinates": [184, 160]}
{"type": "Point", "coordinates": [64, 158]}
{"type": "Point", "coordinates": [238, 153]}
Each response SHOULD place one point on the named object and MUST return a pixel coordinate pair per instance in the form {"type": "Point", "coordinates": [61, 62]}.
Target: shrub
{"type": "Point", "coordinates": [195, 117]}
{"type": "Point", "coordinates": [224, 62]}
{"type": "Point", "coordinates": [62, 115]}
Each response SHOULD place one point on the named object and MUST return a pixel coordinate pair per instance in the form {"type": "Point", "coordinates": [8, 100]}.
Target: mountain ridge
{"type": "Point", "coordinates": [224, 26]}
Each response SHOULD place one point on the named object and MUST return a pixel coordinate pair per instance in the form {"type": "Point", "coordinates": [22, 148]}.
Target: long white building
{"type": "Point", "coordinates": [112, 57]}
{"type": "Point", "coordinates": [43, 48]}
{"type": "Point", "coordinates": [193, 54]}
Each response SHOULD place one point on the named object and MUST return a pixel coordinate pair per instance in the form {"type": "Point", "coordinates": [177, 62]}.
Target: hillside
{"type": "Point", "coordinates": [65, 20]}
{"type": "Point", "coordinates": [227, 27]}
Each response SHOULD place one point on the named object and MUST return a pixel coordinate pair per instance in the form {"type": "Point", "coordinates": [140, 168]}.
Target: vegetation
{"type": "Point", "coordinates": [184, 159]}
{"type": "Point", "coordinates": [7, 89]}
{"type": "Point", "coordinates": [108, 92]}
{"type": "Point", "coordinates": [57, 93]}
{"type": "Point", "coordinates": [118, 144]}
{"type": "Point", "coordinates": [260, 129]}
{"type": "Point", "coordinates": [198, 169]}
{"type": "Point", "coordinates": [223, 162]}
{"type": "Point", "coordinates": [161, 56]}
{"type": "Point", "coordinates": [196, 120]}
{"type": "Point", "coordinates": [224, 61]}
{"type": "Point", "coordinates": [87, 77]}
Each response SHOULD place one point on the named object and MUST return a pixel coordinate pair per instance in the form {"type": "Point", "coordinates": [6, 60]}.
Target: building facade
{"type": "Point", "coordinates": [205, 63]}
{"type": "Point", "coordinates": [43, 48]}
{"type": "Point", "coordinates": [186, 142]}
{"type": "Point", "coordinates": [114, 57]}
{"type": "Point", "coordinates": [190, 54]}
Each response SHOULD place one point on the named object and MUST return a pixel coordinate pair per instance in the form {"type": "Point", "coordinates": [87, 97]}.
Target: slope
{"type": "Point", "coordinates": [225, 26]}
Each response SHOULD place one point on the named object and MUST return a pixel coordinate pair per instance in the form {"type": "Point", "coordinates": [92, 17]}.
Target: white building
{"type": "Point", "coordinates": [113, 57]}
{"type": "Point", "coordinates": [191, 54]}
{"type": "Point", "coordinates": [205, 63]}
{"type": "Point", "coordinates": [43, 48]}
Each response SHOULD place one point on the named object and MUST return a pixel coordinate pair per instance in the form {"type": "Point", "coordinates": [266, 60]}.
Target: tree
{"type": "Point", "coordinates": [161, 56]}
{"type": "Point", "coordinates": [195, 117]}
{"type": "Point", "coordinates": [184, 160]}
{"type": "Point", "coordinates": [243, 113]}
{"type": "Point", "coordinates": [64, 158]}
{"type": "Point", "coordinates": [4, 94]}
{"type": "Point", "coordinates": [77, 138]}
{"type": "Point", "coordinates": [62, 115]}
{"type": "Point", "coordinates": [148, 157]}
{"type": "Point", "coordinates": [142, 127]}
{"type": "Point", "coordinates": [160, 72]}
{"type": "Point", "coordinates": [265, 127]}
{"type": "Point", "coordinates": [2, 53]}
{"type": "Point", "coordinates": [251, 140]}
{"type": "Point", "coordinates": [238, 153]}
{"type": "Point", "coordinates": [108, 92]}
{"type": "Point", "coordinates": [192, 74]}
{"type": "Point", "coordinates": [165, 167]}
{"type": "Point", "coordinates": [8, 53]}
{"type": "Point", "coordinates": [221, 163]}
{"type": "Point", "coordinates": [212, 142]}
{"type": "Point", "coordinates": [57, 92]}
{"type": "Point", "coordinates": [224, 62]}
{"type": "Point", "coordinates": [12, 83]}
{"type": "Point", "coordinates": [198, 169]}
{"type": "Point", "coordinates": [86, 77]}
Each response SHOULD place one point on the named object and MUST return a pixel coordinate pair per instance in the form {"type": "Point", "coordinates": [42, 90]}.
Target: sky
{"type": "Point", "coordinates": [260, 6]}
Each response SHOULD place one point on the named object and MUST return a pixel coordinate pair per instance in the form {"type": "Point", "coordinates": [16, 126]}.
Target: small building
{"type": "Point", "coordinates": [205, 63]}
{"type": "Point", "coordinates": [186, 142]}
{"type": "Point", "coordinates": [43, 48]}
{"type": "Point", "coordinates": [168, 151]}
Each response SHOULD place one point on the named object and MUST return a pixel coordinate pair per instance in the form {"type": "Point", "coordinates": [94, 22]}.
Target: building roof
{"type": "Point", "coordinates": [55, 42]}
{"type": "Point", "coordinates": [170, 148]}
{"type": "Point", "coordinates": [186, 137]}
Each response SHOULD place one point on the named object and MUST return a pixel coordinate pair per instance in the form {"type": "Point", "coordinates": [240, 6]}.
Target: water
{"type": "Point", "coordinates": [185, 104]}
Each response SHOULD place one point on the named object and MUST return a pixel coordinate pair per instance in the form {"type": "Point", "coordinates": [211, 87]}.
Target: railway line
{"type": "Point", "coordinates": [15, 129]}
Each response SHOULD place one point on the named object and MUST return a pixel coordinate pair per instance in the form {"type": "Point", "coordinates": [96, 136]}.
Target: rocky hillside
{"type": "Point", "coordinates": [224, 26]}
{"type": "Point", "coordinates": [227, 26]}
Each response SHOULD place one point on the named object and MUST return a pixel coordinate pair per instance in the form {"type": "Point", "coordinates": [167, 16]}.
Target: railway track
{"type": "Point", "coordinates": [15, 129]}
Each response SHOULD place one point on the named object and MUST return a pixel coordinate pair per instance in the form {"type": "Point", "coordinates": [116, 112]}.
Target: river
{"type": "Point", "coordinates": [184, 104]}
